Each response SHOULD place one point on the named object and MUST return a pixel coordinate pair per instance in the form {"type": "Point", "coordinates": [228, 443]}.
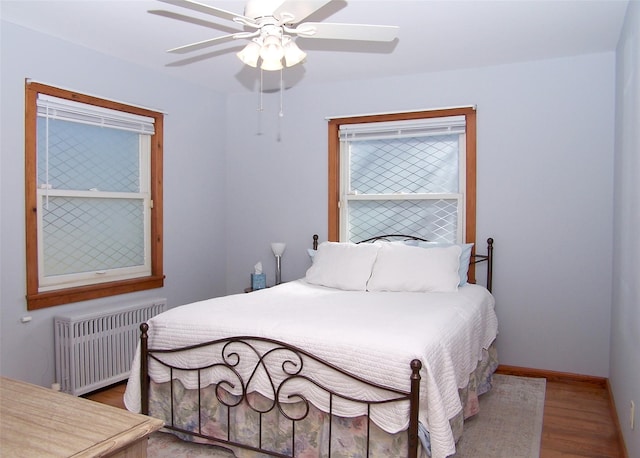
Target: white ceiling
{"type": "Point", "coordinates": [434, 35]}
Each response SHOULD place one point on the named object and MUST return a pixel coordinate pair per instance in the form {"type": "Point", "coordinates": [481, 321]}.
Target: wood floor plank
{"type": "Point", "coordinates": [578, 422]}
{"type": "Point", "coordinates": [113, 396]}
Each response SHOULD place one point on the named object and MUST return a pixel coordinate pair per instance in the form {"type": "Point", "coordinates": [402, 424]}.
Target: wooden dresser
{"type": "Point", "coordinates": [39, 422]}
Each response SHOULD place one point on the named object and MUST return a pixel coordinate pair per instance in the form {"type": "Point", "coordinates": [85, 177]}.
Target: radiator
{"type": "Point", "coordinates": [95, 350]}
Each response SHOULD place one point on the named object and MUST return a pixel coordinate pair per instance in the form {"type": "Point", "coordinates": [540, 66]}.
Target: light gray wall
{"type": "Point", "coordinates": [193, 185]}
{"type": "Point", "coordinates": [625, 311]}
{"type": "Point", "coordinates": [235, 183]}
{"type": "Point", "coordinates": [545, 191]}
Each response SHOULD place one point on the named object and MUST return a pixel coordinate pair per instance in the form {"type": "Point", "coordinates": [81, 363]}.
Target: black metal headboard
{"type": "Point", "coordinates": [475, 258]}
{"type": "Point", "coordinates": [389, 237]}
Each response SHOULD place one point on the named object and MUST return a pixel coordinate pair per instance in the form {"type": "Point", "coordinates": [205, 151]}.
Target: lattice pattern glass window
{"type": "Point", "coordinates": [94, 195]}
{"type": "Point", "coordinates": [404, 177]}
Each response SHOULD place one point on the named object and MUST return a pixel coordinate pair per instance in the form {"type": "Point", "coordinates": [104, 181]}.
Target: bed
{"type": "Point", "coordinates": [382, 349]}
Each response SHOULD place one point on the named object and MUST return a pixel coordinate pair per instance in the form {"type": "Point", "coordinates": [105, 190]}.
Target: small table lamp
{"type": "Point", "coordinates": [278, 250]}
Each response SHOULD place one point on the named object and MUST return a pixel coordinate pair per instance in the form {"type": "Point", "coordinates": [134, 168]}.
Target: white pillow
{"type": "Point", "coordinates": [413, 269]}
{"type": "Point", "coordinates": [311, 252]}
{"type": "Point", "coordinates": [465, 257]}
{"type": "Point", "coordinates": [343, 265]}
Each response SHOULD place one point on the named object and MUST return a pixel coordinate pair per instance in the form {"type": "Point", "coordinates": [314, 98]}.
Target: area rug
{"type": "Point", "coordinates": [509, 425]}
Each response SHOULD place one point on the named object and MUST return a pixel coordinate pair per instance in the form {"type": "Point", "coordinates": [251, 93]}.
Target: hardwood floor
{"type": "Point", "coordinates": [112, 395]}
{"type": "Point", "coordinates": [578, 416]}
{"type": "Point", "coordinates": [578, 421]}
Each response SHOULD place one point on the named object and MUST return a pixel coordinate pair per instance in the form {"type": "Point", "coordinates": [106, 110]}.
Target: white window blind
{"type": "Point", "coordinates": [403, 177]}
{"type": "Point", "coordinates": [68, 110]}
{"type": "Point", "coordinates": [94, 197]}
{"type": "Point", "coordinates": [403, 129]}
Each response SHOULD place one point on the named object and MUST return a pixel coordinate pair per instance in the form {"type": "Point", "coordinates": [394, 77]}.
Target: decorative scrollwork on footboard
{"type": "Point", "coordinates": [269, 376]}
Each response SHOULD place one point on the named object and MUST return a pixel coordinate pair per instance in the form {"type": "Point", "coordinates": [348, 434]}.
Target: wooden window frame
{"type": "Point", "coordinates": [38, 300]}
{"type": "Point", "coordinates": [333, 232]}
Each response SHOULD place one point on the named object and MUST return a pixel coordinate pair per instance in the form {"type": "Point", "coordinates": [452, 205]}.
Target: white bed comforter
{"type": "Point", "coordinates": [373, 335]}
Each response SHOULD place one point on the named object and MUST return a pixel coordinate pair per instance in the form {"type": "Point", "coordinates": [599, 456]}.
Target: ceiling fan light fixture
{"type": "Point", "coordinates": [272, 25]}
{"type": "Point", "coordinates": [271, 48]}
{"type": "Point", "coordinates": [250, 54]}
{"type": "Point", "coordinates": [292, 53]}
{"type": "Point", "coordinates": [271, 65]}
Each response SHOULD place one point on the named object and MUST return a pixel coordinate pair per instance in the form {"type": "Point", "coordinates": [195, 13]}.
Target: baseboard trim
{"type": "Point", "coordinates": [554, 376]}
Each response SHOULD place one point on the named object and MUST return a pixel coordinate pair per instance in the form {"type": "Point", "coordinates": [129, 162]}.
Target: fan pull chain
{"type": "Point", "coordinates": [260, 109]}
{"type": "Point", "coordinates": [260, 106]}
{"type": "Point", "coordinates": [281, 114]}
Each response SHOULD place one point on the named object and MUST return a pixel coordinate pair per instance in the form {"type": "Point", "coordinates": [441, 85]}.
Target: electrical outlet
{"type": "Point", "coordinates": [632, 414]}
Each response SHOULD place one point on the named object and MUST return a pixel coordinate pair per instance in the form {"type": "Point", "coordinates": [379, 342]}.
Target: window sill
{"type": "Point", "coordinates": [83, 293]}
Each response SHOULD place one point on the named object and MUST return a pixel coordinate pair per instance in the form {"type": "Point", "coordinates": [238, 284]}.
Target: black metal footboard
{"type": "Point", "coordinates": [233, 365]}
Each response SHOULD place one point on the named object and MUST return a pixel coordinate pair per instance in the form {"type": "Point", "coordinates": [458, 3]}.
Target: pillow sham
{"type": "Point", "coordinates": [344, 266]}
{"type": "Point", "coordinates": [406, 268]}
{"type": "Point", "coordinates": [465, 256]}
{"type": "Point", "coordinates": [312, 253]}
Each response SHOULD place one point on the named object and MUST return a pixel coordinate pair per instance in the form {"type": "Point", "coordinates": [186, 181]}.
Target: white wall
{"type": "Point", "coordinates": [625, 312]}
{"type": "Point", "coordinates": [545, 191]}
{"type": "Point", "coordinates": [193, 185]}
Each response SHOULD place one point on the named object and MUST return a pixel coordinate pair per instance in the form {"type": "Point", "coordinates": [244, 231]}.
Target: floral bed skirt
{"type": "Point", "coordinates": [317, 434]}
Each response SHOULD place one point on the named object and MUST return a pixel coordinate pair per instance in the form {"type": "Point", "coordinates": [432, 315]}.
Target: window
{"type": "Point", "coordinates": [93, 197]}
{"type": "Point", "coordinates": [404, 173]}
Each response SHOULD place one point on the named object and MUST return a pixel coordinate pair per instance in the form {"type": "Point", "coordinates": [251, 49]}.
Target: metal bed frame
{"type": "Point", "coordinates": [225, 357]}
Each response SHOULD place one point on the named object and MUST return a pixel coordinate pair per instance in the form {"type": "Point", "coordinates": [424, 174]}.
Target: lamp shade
{"type": "Point", "coordinates": [271, 48]}
{"type": "Point", "coordinates": [292, 53]}
{"type": "Point", "coordinates": [274, 51]}
{"type": "Point", "coordinates": [271, 64]}
{"type": "Point", "coordinates": [250, 54]}
{"type": "Point", "coordinates": [278, 248]}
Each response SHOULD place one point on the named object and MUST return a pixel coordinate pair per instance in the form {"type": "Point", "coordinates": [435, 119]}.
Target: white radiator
{"type": "Point", "coordinates": [94, 350]}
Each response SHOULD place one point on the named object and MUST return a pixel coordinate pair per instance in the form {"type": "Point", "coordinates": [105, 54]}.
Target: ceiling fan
{"type": "Point", "coordinates": [271, 25]}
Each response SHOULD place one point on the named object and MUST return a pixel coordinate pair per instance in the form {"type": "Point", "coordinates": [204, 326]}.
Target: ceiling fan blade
{"type": "Point", "coordinates": [333, 31]}
{"type": "Point", "coordinates": [192, 20]}
{"type": "Point", "coordinates": [202, 8]}
{"type": "Point", "coordinates": [202, 44]}
{"type": "Point", "coordinates": [297, 10]}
